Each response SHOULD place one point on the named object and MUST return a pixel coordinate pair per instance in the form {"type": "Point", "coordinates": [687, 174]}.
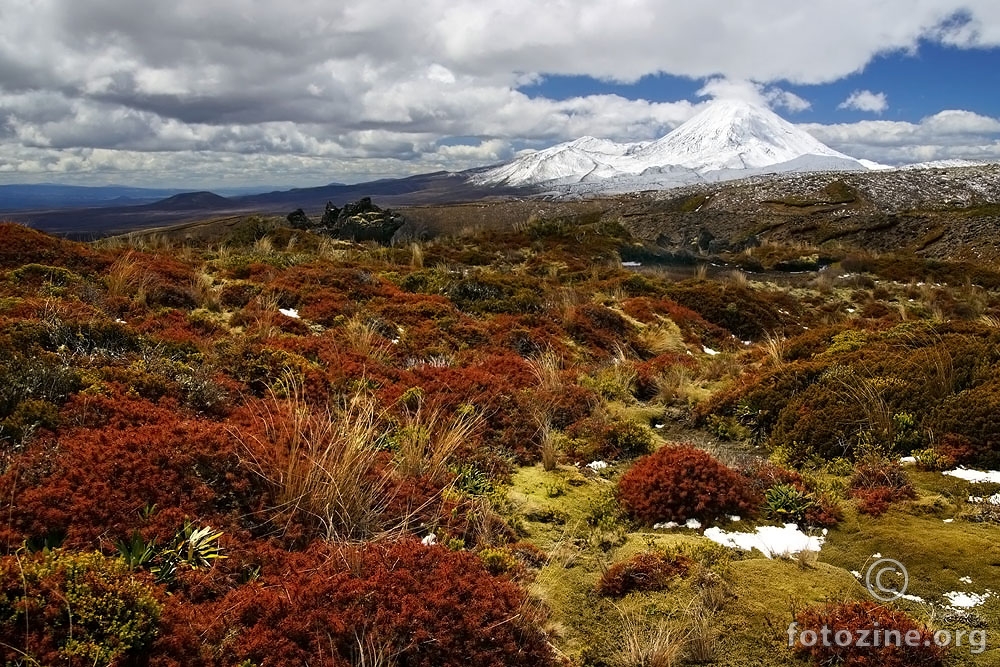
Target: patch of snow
{"type": "Point", "coordinates": [429, 541]}
{"type": "Point", "coordinates": [769, 540]}
{"type": "Point", "coordinates": [949, 521]}
{"type": "Point", "coordinates": [992, 500]}
{"type": "Point", "coordinates": [658, 425]}
{"type": "Point", "coordinates": [975, 476]}
{"type": "Point", "coordinates": [289, 312]}
{"type": "Point", "coordinates": [908, 459]}
{"type": "Point", "coordinates": [875, 166]}
{"type": "Point", "coordinates": [942, 164]}
{"type": "Point", "coordinates": [876, 555]}
{"type": "Point", "coordinates": [735, 518]}
{"type": "Point", "coordinates": [631, 263]}
{"type": "Point", "coordinates": [120, 321]}
{"type": "Point", "coordinates": [709, 351]}
{"type": "Point", "coordinates": [961, 600]}
{"type": "Point", "coordinates": [965, 580]}
{"type": "Point", "coordinates": [912, 598]}
{"type": "Point", "coordinates": [857, 575]}
{"type": "Point", "coordinates": [597, 465]}
{"type": "Point", "coordinates": [693, 524]}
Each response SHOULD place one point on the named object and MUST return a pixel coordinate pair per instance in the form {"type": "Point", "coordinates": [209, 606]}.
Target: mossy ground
{"type": "Point", "coordinates": [762, 594]}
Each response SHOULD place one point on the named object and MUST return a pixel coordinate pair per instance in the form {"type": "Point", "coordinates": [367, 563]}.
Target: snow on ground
{"type": "Point", "coordinates": [709, 351]}
{"type": "Point", "coordinates": [961, 600]}
{"type": "Point", "coordinates": [289, 312]}
{"type": "Point", "coordinates": [976, 476]}
{"type": "Point", "coordinates": [693, 524]}
{"type": "Point", "coordinates": [771, 541]}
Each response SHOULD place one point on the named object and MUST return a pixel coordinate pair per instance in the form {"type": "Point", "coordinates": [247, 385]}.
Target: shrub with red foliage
{"type": "Point", "coordinates": [877, 483]}
{"type": "Point", "coordinates": [825, 512]}
{"type": "Point", "coordinates": [764, 474]}
{"type": "Point", "coordinates": [694, 327]}
{"type": "Point", "coordinates": [21, 245]}
{"type": "Point", "coordinates": [649, 571]}
{"type": "Point", "coordinates": [681, 482]}
{"type": "Point", "coordinates": [427, 606]}
{"type": "Point", "coordinates": [745, 312]}
{"type": "Point", "coordinates": [116, 456]}
{"type": "Point", "coordinates": [598, 327]}
{"type": "Point", "coordinates": [865, 619]}
{"type": "Point", "coordinates": [649, 371]}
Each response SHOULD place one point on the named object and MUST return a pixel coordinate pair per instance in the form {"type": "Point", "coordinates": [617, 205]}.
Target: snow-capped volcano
{"type": "Point", "coordinates": [733, 134]}
{"type": "Point", "coordinates": [728, 139]}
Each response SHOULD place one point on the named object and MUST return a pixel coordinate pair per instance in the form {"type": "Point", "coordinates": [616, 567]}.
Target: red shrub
{"type": "Point", "coordinates": [681, 482]}
{"type": "Point", "coordinates": [21, 245]}
{"type": "Point", "coordinates": [763, 475]}
{"type": "Point", "coordinates": [649, 571]}
{"type": "Point", "coordinates": [877, 483]}
{"type": "Point", "coordinates": [598, 327]}
{"type": "Point", "coordinates": [177, 328]}
{"type": "Point", "coordinates": [862, 620]}
{"type": "Point", "coordinates": [125, 455]}
{"type": "Point", "coordinates": [428, 606]}
{"type": "Point", "coordinates": [746, 312]}
{"type": "Point", "coordinates": [825, 512]}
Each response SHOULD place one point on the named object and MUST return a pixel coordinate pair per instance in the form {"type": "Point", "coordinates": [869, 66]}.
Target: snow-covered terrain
{"type": "Point", "coordinates": [730, 139]}
{"type": "Point", "coordinates": [944, 164]}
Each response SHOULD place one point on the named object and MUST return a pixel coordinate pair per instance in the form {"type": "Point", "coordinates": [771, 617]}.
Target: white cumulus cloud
{"type": "Point", "coordinates": [866, 100]}
{"type": "Point", "coordinates": [196, 93]}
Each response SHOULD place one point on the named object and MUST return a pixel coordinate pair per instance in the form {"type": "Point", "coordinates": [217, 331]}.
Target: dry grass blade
{"type": "Point", "coordinates": [549, 445]}
{"type": "Point", "coordinates": [647, 643]}
{"type": "Point", "coordinates": [364, 339]}
{"type": "Point", "coordinates": [662, 337]}
{"type": "Point", "coordinates": [866, 394]}
{"type": "Point", "coordinates": [326, 463]}
{"type": "Point", "coordinates": [774, 346]}
{"type": "Point", "coordinates": [427, 441]}
{"type": "Point", "coordinates": [546, 368]}
{"type": "Point", "coordinates": [125, 277]}
{"type": "Point", "coordinates": [204, 292]}
{"type": "Point", "coordinates": [416, 256]}
{"type": "Point", "coordinates": [370, 651]}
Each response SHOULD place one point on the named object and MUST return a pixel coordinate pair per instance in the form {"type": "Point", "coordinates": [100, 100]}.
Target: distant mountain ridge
{"type": "Point", "coordinates": [728, 139]}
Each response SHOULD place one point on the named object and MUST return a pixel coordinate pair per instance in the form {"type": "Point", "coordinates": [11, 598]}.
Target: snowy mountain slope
{"type": "Point", "coordinates": [732, 134]}
{"type": "Point", "coordinates": [728, 139]}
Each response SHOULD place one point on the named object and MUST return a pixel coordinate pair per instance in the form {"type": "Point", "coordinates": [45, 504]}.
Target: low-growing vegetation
{"type": "Point", "coordinates": [501, 447]}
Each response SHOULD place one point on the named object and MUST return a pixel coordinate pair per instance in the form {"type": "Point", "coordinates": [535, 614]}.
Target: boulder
{"type": "Point", "coordinates": [299, 220]}
{"type": "Point", "coordinates": [361, 221]}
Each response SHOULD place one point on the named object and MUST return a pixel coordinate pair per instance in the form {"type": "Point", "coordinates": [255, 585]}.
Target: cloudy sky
{"type": "Point", "coordinates": [213, 93]}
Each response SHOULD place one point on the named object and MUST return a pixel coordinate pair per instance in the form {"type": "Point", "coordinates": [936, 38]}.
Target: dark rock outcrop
{"type": "Point", "coordinates": [299, 220]}
{"type": "Point", "coordinates": [361, 221]}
